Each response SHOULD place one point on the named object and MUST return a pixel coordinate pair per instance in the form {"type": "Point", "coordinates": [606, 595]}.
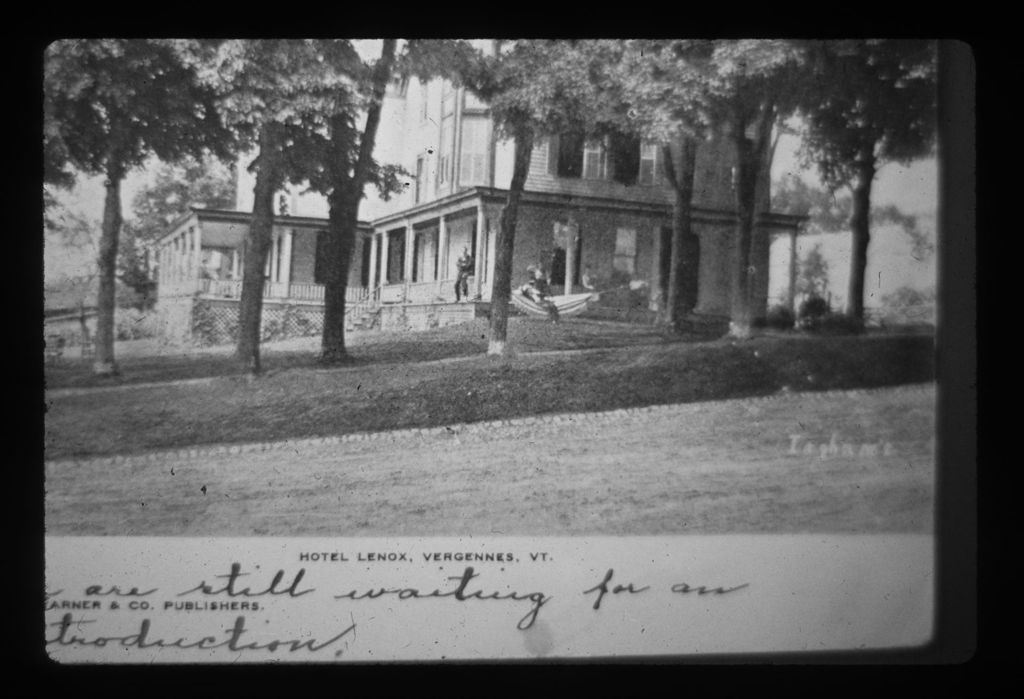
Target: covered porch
{"type": "Point", "coordinates": [413, 256]}
{"type": "Point", "coordinates": [204, 255]}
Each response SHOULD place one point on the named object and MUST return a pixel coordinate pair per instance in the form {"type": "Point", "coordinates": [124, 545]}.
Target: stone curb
{"type": "Point", "coordinates": [471, 429]}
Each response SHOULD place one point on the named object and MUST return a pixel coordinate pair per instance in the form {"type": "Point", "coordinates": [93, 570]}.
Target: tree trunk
{"type": "Point", "coordinates": [685, 264]}
{"type": "Point", "coordinates": [257, 244]}
{"type": "Point", "coordinates": [860, 221]}
{"type": "Point", "coordinates": [746, 177]}
{"type": "Point", "coordinates": [750, 156]}
{"type": "Point", "coordinates": [342, 229]}
{"type": "Point", "coordinates": [343, 216]}
{"type": "Point", "coordinates": [103, 363]}
{"type": "Point", "coordinates": [791, 297]}
{"type": "Point", "coordinates": [505, 242]}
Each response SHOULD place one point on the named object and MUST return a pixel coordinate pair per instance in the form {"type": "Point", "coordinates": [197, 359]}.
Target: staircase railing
{"type": "Point", "coordinates": [365, 302]}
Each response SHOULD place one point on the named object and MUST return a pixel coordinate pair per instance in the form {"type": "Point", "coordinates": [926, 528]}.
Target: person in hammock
{"type": "Point", "coordinates": [537, 290]}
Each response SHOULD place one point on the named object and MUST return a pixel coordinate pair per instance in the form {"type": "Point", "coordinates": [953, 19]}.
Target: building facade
{"type": "Point", "coordinates": [600, 208]}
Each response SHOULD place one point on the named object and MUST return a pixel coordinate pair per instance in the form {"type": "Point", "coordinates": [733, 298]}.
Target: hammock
{"type": "Point", "coordinates": [571, 305]}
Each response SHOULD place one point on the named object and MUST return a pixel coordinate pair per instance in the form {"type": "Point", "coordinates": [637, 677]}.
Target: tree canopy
{"type": "Point", "coordinates": [108, 106]}
{"type": "Point", "coordinates": [118, 102]}
{"type": "Point", "coordinates": [873, 102]}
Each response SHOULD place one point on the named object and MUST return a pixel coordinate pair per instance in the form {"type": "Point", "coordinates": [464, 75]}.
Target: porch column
{"type": "Point", "coordinates": [286, 261]}
{"type": "Point", "coordinates": [169, 261]}
{"type": "Point", "coordinates": [571, 233]}
{"type": "Point", "coordinates": [275, 259]}
{"type": "Point", "coordinates": [197, 262]}
{"type": "Point", "coordinates": [491, 257]}
{"type": "Point", "coordinates": [792, 272]}
{"type": "Point", "coordinates": [442, 254]}
{"type": "Point", "coordinates": [177, 258]}
{"type": "Point", "coordinates": [268, 266]}
{"type": "Point", "coordinates": [479, 260]}
{"type": "Point", "coordinates": [234, 263]}
{"type": "Point", "coordinates": [373, 263]}
{"type": "Point", "coordinates": [384, 237]}
{"type": "Point", "coordinates": [186, 255]}
{"type": "Point", "coordinates": [410, 239]}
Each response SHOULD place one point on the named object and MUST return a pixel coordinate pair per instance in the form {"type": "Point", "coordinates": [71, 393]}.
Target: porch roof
{"type": "Point", "coordinates": [458, 201]}
{"type": "Point", "coordinates": [200, 214]}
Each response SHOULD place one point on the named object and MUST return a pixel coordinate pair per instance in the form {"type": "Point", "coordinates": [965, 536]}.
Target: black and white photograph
{"type": "Point", "coordinates": [493, 349]}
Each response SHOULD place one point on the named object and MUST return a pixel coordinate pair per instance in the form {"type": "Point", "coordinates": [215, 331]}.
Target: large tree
{"type": "Point", "coordinates": [828, 212]}
{"type": "Point", "coordinates": [753, 84]}
{"type": "Point", "coordinates": [110, 105]}
{"type": "Point", "coordinates": [663, 86]}
{"type": "Point", "coordinates": [275, 96]}
{"type": "Point", "coordinates": [535, 89]}
{"type": "Point", "coordinates": [339, 162]}
{"type": "Point", "coordinates": [875, 103]}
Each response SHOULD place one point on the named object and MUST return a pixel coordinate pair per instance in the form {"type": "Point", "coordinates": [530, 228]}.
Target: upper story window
{"type": "Point", "coordinates": [444, 157]}
{"type": "Point", "coordinates": [473, 163]}
{"type": "Point", "coordinates": [650, 161]}
{"type": "Point", "coordinates": [616, 157]}
{"type": "Point", "coordinates": [624, 158]}
{"type": "Point", "coordinates": [565, 155]}
{"type": "Point", "coordinates": [594, 160]}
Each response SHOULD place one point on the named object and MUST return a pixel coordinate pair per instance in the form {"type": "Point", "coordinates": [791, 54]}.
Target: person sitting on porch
{"type": "Point", "coordinates": [588, 279]}
{"type": "Point", "coordinates": [465, 267]}
{"type": "Point", "coordinates": [537, 290]}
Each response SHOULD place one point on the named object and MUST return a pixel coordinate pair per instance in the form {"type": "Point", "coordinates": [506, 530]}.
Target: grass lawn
{"type": "Point", "coordinates": [151, 362]}
{"type": "Point", "coordinates": [389, 386]}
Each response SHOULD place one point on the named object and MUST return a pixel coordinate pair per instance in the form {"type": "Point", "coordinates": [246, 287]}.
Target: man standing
{"type": "Point", "coordinates": [465, 267]}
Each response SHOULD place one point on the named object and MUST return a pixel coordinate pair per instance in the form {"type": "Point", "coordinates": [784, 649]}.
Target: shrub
{"type": "Point", "coordinates": [780, 318]}
{"type": "Point", "coordinates": [812, 310]}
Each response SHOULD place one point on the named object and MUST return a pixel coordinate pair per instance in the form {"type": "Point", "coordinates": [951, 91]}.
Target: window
{"type": "Point", "coordinates": [650, 159]}
{"type": "Point", "coordinates": [445, 150]}
{"type": "Point", "coordinates": [624, 157]}
{"type": "Point", "coordinates": [625, 251]}
{"type": "Point", "coordinates": [473, 165]}
{"type": "Point", "coordinates": [594, 160]}
{"type": "Point", "coordinates": [565, 155]}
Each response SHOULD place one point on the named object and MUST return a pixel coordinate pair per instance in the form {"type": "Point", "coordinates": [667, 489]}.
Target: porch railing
{"type": "Point", "coordinates": [232, 289]}
{"type": "Point", "coordinates": [441, 290]}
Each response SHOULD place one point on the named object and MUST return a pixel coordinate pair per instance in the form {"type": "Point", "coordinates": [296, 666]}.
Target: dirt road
{"type": "Point", "coordinates": [853, 462]}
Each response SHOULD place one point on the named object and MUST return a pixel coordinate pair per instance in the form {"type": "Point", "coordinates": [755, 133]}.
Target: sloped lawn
{"type": "Point", "coordinates": [153, 363]}
{"type": "Point", "coordinates": [390, 385]}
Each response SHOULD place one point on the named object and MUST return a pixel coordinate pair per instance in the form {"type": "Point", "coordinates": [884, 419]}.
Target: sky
{"type": "Point", "coordinates": [891, 264]}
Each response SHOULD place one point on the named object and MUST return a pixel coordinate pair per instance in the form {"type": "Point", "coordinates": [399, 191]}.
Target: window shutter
{"type": "Point", "coordinates": [625, 152]}
{"type": "Point", "coordinates": [553, 146]}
